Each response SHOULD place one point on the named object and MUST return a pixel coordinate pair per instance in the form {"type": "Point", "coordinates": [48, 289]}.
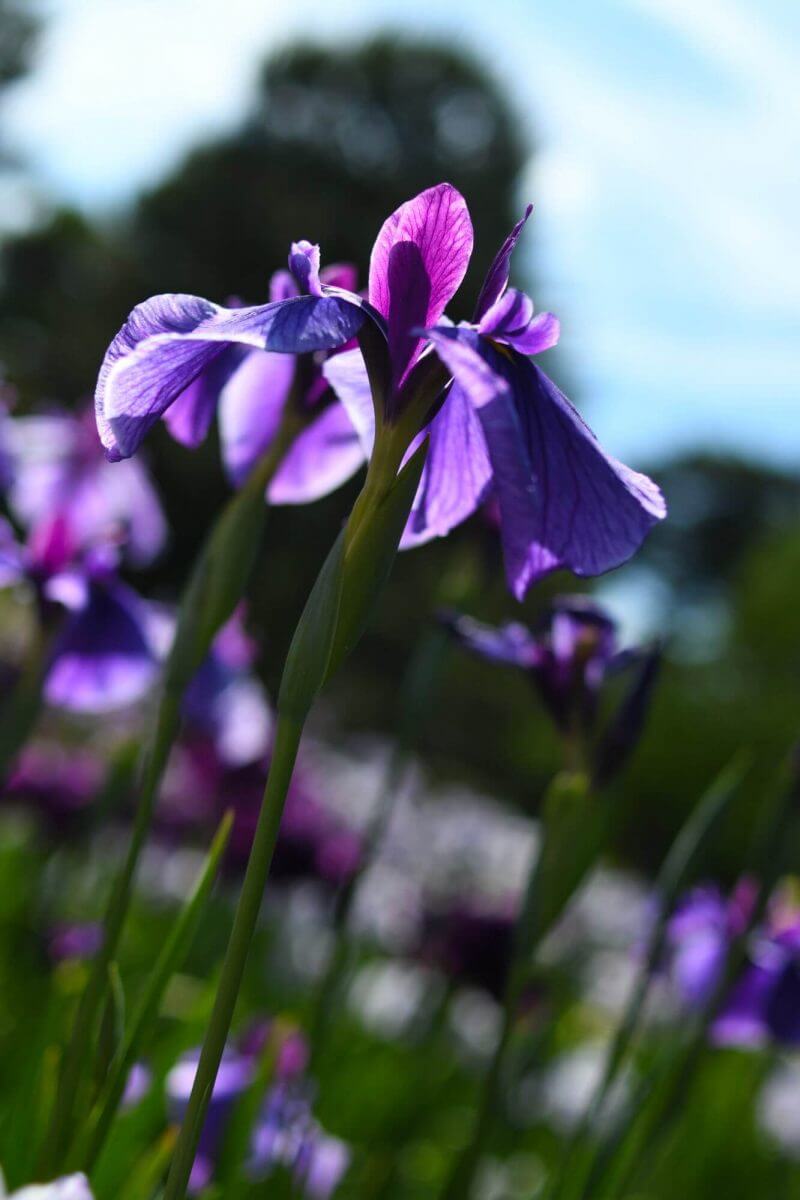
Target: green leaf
{"type": "Point", "coordinates": [112, 1026]}
{"type": "Point", "coordinates": [168, 962]}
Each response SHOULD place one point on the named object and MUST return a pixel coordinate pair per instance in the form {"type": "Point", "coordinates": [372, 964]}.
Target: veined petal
{"type": "Point", "coordinates": [511, 320]}
{"type": "Point", "coordinates": [563, 501]}
{"type": "Point", "coordinates": [496, 280]}
{"type": "Point", "coordinates": [102, 659]}
{"type": "Point", "coordinates": [250, 409]}
{"type": "Point", "coordinates": [323, 457]}
{"type": "Point", "coordinates": [347, 375]}
{"type": "Point", "coordinates": [189, 417]}
{"type": "Point", "coordinates": [456, 475]}
{"type": "Point", "coordinates": [418, 262]}
{"type": "Point", "coordinates": [169, 340]}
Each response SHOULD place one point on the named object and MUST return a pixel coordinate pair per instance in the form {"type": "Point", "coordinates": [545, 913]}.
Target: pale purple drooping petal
{"type": "Point", "coordinates": [347, 375]}
{"type": "Point", "coordinates": [189, 417]}
{"type": "Point", "coordinates": [169, 340]}
{"type": "Point", "coordinates": [321, 458]}
{"type": "Point", "coordinates": [563, 501]}
{"type": "Point", "coordinates": [456, 475]}
{"type": "Point", "coordinates": [251, 406]}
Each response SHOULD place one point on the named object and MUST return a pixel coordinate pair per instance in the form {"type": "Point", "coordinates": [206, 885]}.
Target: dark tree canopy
{"type": "Point", "coordinates": [334, 141]}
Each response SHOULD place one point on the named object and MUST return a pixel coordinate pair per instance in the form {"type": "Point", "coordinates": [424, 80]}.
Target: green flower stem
{"type": "Point", "coordinates": [216, 585]}
{"type": "Point", "coordinates": [330, 625]}
{"type": "Point", "coordinates": [287, 741]}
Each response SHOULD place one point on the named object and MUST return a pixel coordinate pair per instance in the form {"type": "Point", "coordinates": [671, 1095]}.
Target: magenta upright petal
{"type": "Point", "coordinates": [250, 409]}
{"type": "Point", "coordinates": [323, 457]}
{"type": "Point", "coordinates": [456, 475]}
{"type": "Point", "coordinates": [169, 340]}
{"type": "Point", "coordinates": [418, 261]}
{"type": "Point", "coordinates": [563, 501]}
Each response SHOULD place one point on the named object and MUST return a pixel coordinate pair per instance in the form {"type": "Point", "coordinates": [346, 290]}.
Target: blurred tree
{"type": "Point", "coordinates": [19, 29]}
{"type": "Point", "coordinates": [334, 140]}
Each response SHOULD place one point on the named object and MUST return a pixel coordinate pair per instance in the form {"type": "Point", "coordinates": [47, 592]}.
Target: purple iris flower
{"type": "Point", "coordinates": [506, 432]}
{"type": "Point", "coordinates": [101, 657]}
{"type": "Point", "coordinates": [763, 1004]}
{"type": "Point", "coordinates": [59, 466]}
{"type": "Point", "coordinates": [285, 1133]}
{"type": "Point", "coordinates": [569, 657]}
{"type": "Point", "coordinates": [174, 343]}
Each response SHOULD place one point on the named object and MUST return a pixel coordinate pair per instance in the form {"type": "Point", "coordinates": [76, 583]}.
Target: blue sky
{"type": "Point", "coordinates": [666, 186]}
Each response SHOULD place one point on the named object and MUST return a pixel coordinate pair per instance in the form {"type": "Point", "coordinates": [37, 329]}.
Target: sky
{"type": "Point", "coordinates": [666, 183]}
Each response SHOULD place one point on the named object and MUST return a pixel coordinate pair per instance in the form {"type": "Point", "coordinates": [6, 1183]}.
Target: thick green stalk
{"type": "Point", "coordinates": [287, 741]}
{"type": "Point", "coordinates": [216, 585]}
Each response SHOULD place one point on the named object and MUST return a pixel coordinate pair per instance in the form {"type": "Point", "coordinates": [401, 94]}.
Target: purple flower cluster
{"type": "Point", "coordinates": [285, 1134]}
{"type": "Point", "coordinates": [497, 427]}
{"type": "Point", "coordinates": [763, 1004]}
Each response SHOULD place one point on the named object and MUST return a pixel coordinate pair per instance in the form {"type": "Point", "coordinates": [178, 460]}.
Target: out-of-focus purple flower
{"type": "Point", "coordinates": [569, 657]}
{"type": "Point", "coordinates": [234, 1076]}
{"type": "Point", "coordinates": [60, 783]}
{"type": "Point", "coordinates": [226, 702]}
{"type": "Point", "coordinates": [286, 1135]}
{"type": "Point", "coordinates": [137, 1085]}
{"type": "Point", "coordinates": [59, 467]}
{"type": "Point", "coordinates": [102, 657]}
{"type": "Point", "coordinates": [69, 1187]}
{"type": "Point", "coordinates": [506, 432]}
{"type": "Point", "coordinates": [75, 940]}
{"type": "Point", "coordinates": [313, 842]}
{"type": "Point", "coordinates": [763, 1003]}
{"type": "Point", "coordinates": [471, 943]}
